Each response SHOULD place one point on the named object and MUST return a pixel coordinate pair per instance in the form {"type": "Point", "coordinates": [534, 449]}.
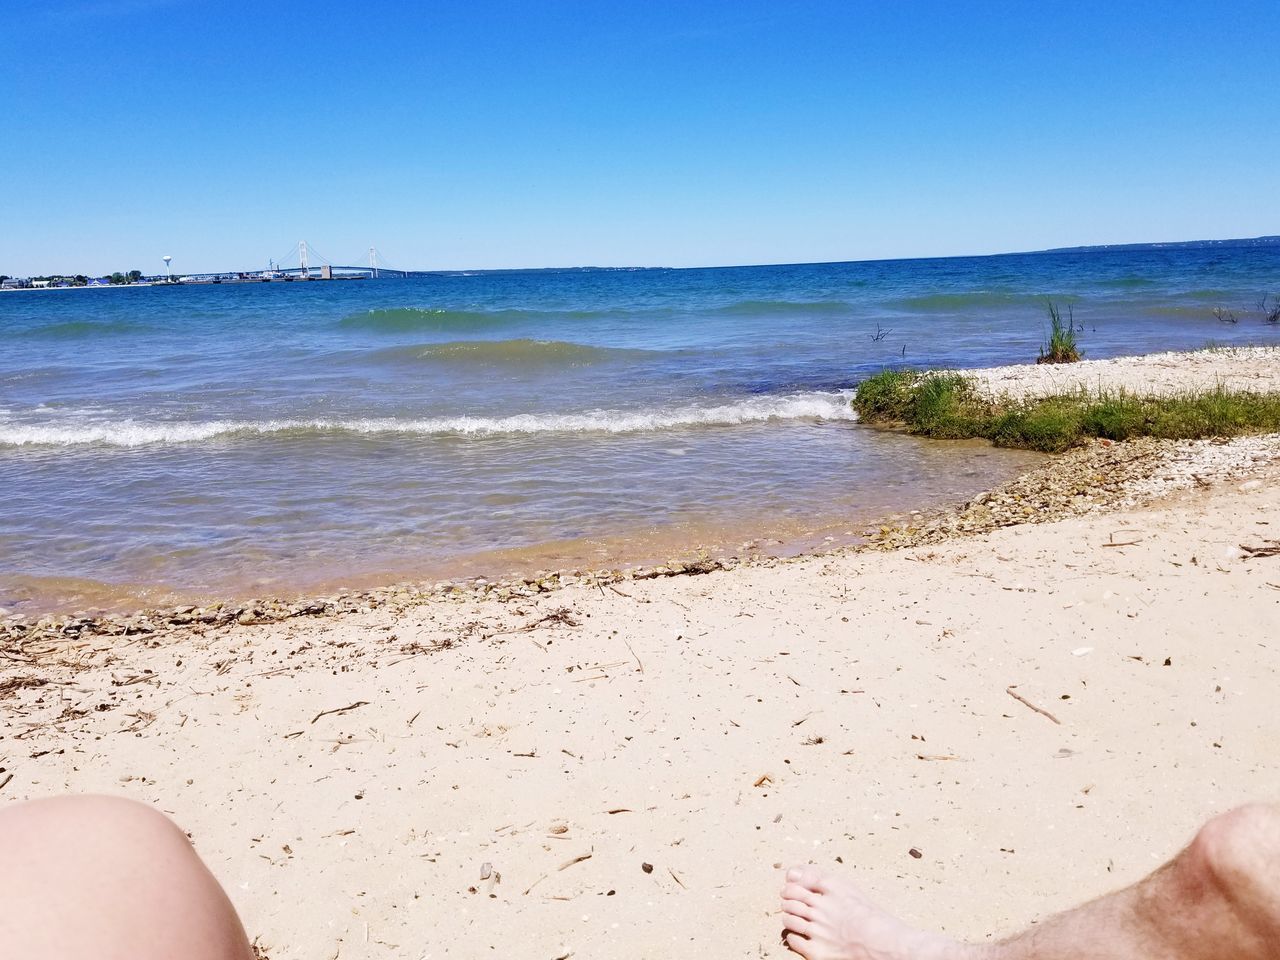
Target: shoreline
{"type": "Point", "coordinates": [471, 772]}
{"type": "Point", "coordinates": [1100, 478]}
{"type": "Point", "coordinates": [1135, 471]}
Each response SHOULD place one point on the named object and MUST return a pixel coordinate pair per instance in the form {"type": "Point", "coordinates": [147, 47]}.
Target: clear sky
{"type": "Point", "coordinates": [541, 133]}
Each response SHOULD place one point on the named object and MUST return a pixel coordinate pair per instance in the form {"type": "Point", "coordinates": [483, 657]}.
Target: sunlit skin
{"type": "Point", "coordinates": [1219, 899]}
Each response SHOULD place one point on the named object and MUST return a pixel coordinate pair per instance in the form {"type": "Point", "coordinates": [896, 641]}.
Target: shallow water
{"type": "Point", "coordinates": [276, 437]}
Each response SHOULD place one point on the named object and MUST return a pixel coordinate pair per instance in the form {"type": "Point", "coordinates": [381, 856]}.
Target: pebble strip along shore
{"type": "Point", "coordinates": [1102, 475]}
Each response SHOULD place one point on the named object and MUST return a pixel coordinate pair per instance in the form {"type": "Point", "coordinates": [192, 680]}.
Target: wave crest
{"type": "Point", "coordinates": [132, 433]}
{"type": "Point", "coordinates": [77, 329]}
{"type": "Point", "coordinates": [409, 319]}
{"type": "Point", "coordinates": [770, 308]}
{"type": "Point", "coordinates": [512, 353]}
{"type": "Point", "coordinates": [974, 299]}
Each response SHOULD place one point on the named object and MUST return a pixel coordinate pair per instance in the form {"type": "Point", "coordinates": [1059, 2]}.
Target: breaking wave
{"type": "Point", "coordinates": [134, 433]}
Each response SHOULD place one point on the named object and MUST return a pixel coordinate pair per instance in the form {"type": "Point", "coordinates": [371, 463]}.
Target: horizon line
{"type": "Point", "coordinates": [1078, 248]}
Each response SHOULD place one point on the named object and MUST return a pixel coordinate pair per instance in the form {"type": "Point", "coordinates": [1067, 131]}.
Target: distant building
{"type": "Point", "coordinates": [99, 282]}
{"type": "Point", "coordinates": [15, 283]}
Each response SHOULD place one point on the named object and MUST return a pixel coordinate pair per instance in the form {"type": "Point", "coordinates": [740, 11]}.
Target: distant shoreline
{"type": "Point", "coordinates": [1269, 241]}
{"type": "Point", "coordinates": [83, 286]}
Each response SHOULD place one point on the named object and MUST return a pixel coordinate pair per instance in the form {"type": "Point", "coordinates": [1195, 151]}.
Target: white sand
{"type": "Point", "coordinates": [362, 834]}
{"type": "Point", "coordinates": [1238, 368]}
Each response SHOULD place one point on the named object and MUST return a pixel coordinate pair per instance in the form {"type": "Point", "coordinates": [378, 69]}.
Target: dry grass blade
{"type": "Point", "coordinates": [578, 859]}
{"type": "Point", "coordinates": [561, 615]}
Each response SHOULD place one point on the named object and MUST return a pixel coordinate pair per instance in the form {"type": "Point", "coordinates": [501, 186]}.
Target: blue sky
{"type": "Point", "coordinates": [489, 134]}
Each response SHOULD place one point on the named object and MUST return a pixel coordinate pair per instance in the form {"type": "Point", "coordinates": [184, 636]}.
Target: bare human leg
{"type": "Point", "coordinates": [108, 879]}
{"type": "Point", "coordinates": [1217, 900]}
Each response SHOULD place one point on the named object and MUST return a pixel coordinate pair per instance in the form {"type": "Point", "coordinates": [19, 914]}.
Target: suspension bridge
{"type": "Point", "coordinates": [305, 262]}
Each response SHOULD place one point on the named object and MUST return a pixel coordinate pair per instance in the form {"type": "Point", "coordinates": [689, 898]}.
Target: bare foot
{"type": "Point", "coordinates": [828, 918]}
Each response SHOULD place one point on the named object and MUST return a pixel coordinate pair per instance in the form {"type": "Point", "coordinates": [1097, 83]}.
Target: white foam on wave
{"type": "Point", "coordinates": [133, 433]}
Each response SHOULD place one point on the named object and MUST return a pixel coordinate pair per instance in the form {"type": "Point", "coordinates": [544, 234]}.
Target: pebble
{"type": "Point", "coordinates": [1089, 479]}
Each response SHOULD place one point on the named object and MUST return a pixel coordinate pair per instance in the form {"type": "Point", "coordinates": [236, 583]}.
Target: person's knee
{"type": "Point", "coordinates": [1237, 853]}
{"type": "Point", "coordinates": [91, 822]}
{"type": "Point", "coordinates": [83, 871]}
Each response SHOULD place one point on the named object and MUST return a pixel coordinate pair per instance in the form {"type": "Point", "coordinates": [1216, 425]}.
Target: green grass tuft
{"type": "Point", "coordinates": [886, 396]}
{"type": "Point", "coordinates": [948, 406]}
{"type": "Point", "coordinates": [1061, 347]}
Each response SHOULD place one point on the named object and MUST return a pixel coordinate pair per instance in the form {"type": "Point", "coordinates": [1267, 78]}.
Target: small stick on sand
{"type": "Point", "coordinates": [1025, 702]}
{"type": "Point", "coordinates": [536, 882]}
{"type": "Point", "coordinates": [350, 706]}
{"type": "Point", "coordinates": [578, 859]}
{"type": "Point", "coordinates": [639, 665]}
{"type": "Point", "coordinates": [1272, 549]}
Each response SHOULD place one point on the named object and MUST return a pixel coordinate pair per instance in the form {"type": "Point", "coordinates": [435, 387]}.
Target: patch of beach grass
{"type": "Point", "coordinates": [1061, 347]}
{"type": "Point", "coordinates": [886, 396]}
{"type": "Point", "coordinates": [946, 406]}
{"type": "Point", "coordinates": [949, 406]}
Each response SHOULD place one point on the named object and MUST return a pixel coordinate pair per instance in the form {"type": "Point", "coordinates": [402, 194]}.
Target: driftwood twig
{"type": "Point", "coordinates": [1027, 703]}
{"type": "Point", "coordinates": [1272, 549]}
{"type": "Point", "coordinates": [578, 859]}
{"type": "Point", "coordinates": [350, 706]}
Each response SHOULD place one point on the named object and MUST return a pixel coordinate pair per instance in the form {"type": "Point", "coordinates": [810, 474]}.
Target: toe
{"type": "Point", "coordinates": [795, 891]}
{"type": "Point", "coordinates": [798, 945]}
{"type": "Point", "coordinates": [798, 909]}
{"type": "Point", "coordinates": [807, 876]}
{"type": "Point", "coordinates": [796, 924]}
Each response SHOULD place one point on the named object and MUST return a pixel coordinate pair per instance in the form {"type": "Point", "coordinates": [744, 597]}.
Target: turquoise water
{"type": "Point", "coordinates": [222, 439]}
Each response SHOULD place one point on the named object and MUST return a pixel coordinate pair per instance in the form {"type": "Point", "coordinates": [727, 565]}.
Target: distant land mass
{"type": "Point", "coordinates": [1174, 245]}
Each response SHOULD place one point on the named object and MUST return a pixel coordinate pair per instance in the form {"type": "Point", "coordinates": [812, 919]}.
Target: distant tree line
{"type": "Point", "coordinates": [80, 280]}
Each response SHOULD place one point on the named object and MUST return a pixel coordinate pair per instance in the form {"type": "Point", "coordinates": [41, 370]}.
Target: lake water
{"type": "Point", "coordinates": [165, 442]}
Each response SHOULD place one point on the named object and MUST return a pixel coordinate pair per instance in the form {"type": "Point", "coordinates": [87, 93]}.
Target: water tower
{"type": "Point", "coordinates": [167, 274]}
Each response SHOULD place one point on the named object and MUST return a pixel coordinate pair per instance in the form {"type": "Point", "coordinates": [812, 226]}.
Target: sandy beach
{"type": "Point", "coordinates": [621, 767]}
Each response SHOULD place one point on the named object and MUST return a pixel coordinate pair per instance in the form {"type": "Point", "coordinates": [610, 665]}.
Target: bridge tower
{"type": "Point", "coordinates": [373, 262]}
{"type": "Point", "coordinates": [302, 260]}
